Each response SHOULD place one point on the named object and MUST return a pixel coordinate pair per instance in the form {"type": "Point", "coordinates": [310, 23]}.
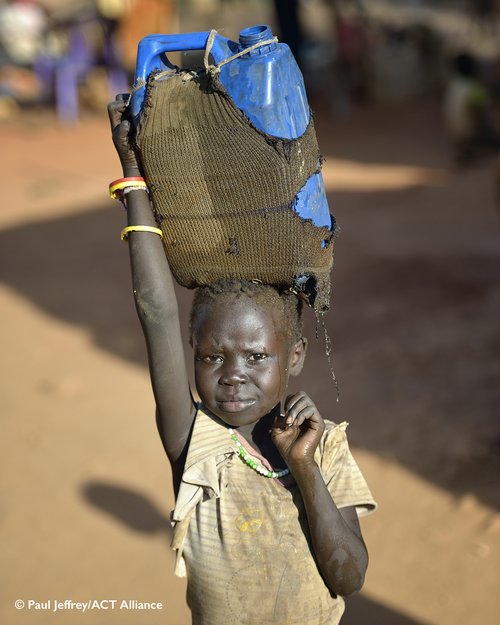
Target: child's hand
{"type": "Point", "coordinates": [120, 129]}
{"type": "Point", "coordinates": [297, 434]}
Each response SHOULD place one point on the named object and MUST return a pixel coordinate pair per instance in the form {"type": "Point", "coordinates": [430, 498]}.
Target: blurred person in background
{"type": "Point", "coordinates": [23, 25]}
{"type": "Point", "coordinates": [142, 18]}
{"type": "Point", "coordinates": [351, 64]}
{"type": "Point", "coordinates": [77, 55]}
{"type": "Point", "coordinates": [340, 64]}
{"type": "Point", "coordinates": [483, 14]}
{"type": "Point", "coordinates": [468, 111]}
{"type": "Point", "coordinates": [291, 32]}
{"type": "Point", "coordinates": [76, 60]}
{"type": "Point", "coordinates": [111, 14]}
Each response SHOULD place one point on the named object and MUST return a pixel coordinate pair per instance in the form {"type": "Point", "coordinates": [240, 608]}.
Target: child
{"type": "Point", "coordinates": [267, 495]}
{"type": "Point", "coordinates": [467, 110]}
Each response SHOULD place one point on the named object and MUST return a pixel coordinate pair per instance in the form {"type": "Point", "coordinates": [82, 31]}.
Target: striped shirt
{"type": "Point", "coordinates": [243, 539]}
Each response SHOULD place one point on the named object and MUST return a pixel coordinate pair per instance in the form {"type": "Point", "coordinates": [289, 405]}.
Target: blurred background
{"type": "Point", "coordinates": [406, 98]}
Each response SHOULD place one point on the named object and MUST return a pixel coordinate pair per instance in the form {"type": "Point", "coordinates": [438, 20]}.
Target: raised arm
{"type": "Point", "coordinates": [156, 306]}
{"type": "Point", "coordinates": [337, 542]}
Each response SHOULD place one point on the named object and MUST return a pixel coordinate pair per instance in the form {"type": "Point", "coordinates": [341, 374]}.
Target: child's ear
{"type": "Point", "coordinates": [297, 356]}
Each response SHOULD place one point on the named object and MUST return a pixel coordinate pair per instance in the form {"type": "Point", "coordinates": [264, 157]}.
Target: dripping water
{"type": "Point", "coordinates": [328, 349]}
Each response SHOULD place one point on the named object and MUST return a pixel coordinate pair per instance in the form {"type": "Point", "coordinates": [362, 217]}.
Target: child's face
{"type": "Point", "coordinates": [243, 359]}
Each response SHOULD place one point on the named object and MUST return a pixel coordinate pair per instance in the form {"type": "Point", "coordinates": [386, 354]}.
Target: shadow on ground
{"type": "Point", "coordinates": [128, 507]}
{"type": "Point", "coordinates": [363, 611]}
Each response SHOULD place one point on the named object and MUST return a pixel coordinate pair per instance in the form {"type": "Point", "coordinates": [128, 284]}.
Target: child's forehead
{"type": "Point", "coordinates": [266, 307]}
{"type": "Point", "coordinates": [240, 311]}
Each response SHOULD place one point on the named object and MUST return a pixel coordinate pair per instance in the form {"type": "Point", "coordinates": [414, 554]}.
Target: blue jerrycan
{"type": "Point", "coordinates": [265, 83]}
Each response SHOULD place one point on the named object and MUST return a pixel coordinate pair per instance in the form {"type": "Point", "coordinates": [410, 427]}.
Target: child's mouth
{"type": "Point", "coordinates": [234, 405]}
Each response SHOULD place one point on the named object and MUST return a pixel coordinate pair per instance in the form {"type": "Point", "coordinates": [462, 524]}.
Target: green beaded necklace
{"type": "Point", "coordinates": [261, 470]}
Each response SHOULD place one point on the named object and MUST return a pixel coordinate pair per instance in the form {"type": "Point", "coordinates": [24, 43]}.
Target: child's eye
{"type": "Point", "coordinates": [257, 357]}
{"type": "Point", "coordinates": [210, 358]}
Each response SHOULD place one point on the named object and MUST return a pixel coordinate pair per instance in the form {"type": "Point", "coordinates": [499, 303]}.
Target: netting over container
{"type": "Point", "coordinates": [224, 192]}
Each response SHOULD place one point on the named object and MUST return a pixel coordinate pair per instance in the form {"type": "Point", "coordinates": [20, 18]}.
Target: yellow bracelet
{"type": "Point", "coordinates": [125, 231]}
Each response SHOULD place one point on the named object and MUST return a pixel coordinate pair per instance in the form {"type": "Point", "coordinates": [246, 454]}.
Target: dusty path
{"type": "Point", "coordinates": [85, 484]}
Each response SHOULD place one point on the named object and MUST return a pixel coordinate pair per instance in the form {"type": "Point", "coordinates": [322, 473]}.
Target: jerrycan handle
{"type": "Point", "coordinates": [152, 50]}
{"type": "Point", "coordinates": [152, 47]}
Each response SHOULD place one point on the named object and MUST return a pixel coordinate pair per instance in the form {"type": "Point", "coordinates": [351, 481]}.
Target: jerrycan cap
{"type": "Point", "coordinates": [256, 34]}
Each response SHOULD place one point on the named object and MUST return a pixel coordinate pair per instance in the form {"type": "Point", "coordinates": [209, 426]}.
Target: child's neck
{"type": "Point", "coordinates": [257, 435]}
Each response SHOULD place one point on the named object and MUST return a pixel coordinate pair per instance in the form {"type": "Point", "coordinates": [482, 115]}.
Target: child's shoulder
{"type": "Point", "coordinates": [333, 443]}
{"type": "Point", "coordinates": [335, 430]}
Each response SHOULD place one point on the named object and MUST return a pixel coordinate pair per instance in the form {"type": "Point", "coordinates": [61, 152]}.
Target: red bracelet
{"type": "Point", "coordinates": [131, 178]}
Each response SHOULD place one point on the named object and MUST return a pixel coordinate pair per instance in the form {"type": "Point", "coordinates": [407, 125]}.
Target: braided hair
{"type": "Point", "coordinates": [270, 297]}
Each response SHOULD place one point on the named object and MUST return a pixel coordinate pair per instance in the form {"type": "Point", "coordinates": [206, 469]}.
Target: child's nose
{"type": "Point", "coordinates": [233, 375]}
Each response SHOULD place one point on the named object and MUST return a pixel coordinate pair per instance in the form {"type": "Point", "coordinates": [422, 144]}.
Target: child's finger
{"type": "Point", "coordinates": [123, 97]}
{"type": "Point", "coordinates": [294, 406]}
{"type": "Point", "coordinates": [283, 435]}
{"type": "Point", "coordinates": [291, 400]}
{"type": "Point", "coordinates": [306, 413]}
{"type": "Point", "coordinates": [115, 112]}
{"type": "Point", "coordinates": [279, 423]}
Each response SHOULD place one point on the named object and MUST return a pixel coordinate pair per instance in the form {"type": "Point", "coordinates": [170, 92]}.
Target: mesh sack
{"type": "Point", "coordinates": [223, 192]}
